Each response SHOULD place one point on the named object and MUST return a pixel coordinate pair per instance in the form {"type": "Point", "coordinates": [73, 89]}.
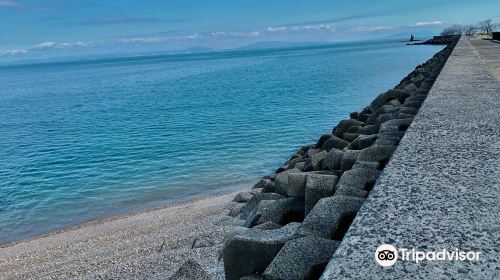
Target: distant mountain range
{"type": "Point", "coordinates": [419, 35]}
{"type": "Point", "coordinates": [280, 44]}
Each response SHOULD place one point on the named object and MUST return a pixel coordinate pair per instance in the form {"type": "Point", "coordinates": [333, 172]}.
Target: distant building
{"type": "Point", "coordinates": [496, 35]}
{"type": "Point", "coordinates": [412, 38]}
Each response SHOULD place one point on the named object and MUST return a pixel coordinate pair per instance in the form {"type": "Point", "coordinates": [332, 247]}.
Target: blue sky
{"type": "Point", "coordinates": [41, 29]}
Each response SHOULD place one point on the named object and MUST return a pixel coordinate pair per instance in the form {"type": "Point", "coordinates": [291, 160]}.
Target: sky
{"type": "Point", "coordinates": [43, 29]}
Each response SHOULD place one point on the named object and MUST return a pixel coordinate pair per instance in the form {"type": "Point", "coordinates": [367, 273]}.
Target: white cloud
{"type": "Point", "coordinates": [235, 34]}
{"type": "Point", "coordinates": [276, 29]}
{"type": "Point", "coordinates": [316, 27]}
{"type": "Point", "coordinates": [51, 45]}
{"type": "Point", "coordinates": [16, 51]}
{"type": "Point", "coordinates": [193, 36]}
{"type": "Point", "coordinates": [254, 33]}
{"type": "Point", "coordinates": [9, 3]}
{"type": "Point", "coordinates": [45, 45]}
{"type": "Point", "coordinates": [75, 44]}
{"type": "Point", "coordinates": [160, 39]}
{"type": "Point", "coordinates": [426, 23]}
{"type": "Point", "coordinates": [143, 40]}
{"type": "Point", "coordinates": [372, 28]}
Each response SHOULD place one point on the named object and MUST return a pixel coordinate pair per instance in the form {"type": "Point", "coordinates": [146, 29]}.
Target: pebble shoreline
{"type": "Point", "coordinates": [292, 221]}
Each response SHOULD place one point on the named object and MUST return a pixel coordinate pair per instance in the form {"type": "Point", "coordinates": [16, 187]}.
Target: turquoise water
{"type": "Point", "coordinates": [85, 139]}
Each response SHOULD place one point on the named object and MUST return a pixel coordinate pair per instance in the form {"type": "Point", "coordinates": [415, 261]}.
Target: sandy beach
{"type": "Point", "coordinates": [148, 245]}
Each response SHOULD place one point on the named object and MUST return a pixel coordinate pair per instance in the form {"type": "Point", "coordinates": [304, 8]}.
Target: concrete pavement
{"type": "Point", "coordinates": [489, 53]}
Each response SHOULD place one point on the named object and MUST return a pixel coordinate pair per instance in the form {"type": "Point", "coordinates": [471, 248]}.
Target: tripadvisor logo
{"type": "Point", "coordinates": [386, 255]}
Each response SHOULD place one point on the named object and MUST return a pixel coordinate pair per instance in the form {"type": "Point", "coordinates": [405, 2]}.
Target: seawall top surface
{"type": "Point", "coordinates": [441, 189]}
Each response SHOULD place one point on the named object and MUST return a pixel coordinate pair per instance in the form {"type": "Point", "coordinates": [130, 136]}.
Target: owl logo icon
{"type": "Point", "coordinates": [386, 255]}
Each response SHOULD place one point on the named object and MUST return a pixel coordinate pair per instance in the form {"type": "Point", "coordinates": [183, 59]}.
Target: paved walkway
{"type": "Point", "coordinates": [490, 54]}
{"type": "Point", "coordinates": [441, 190]}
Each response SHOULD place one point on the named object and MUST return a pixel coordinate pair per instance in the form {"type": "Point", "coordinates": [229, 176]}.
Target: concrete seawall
{"type": "Point", "coordinates": [441, 188]}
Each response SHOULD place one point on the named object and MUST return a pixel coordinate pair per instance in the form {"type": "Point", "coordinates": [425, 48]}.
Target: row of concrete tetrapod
{"type": "Point", "coordinates": [293, 220]}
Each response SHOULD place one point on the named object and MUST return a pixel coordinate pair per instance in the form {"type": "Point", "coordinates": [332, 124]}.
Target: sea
{"type": "Point", "coordinates": [91, 138]}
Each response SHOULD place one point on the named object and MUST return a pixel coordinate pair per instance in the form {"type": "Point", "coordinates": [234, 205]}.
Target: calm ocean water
{"type": "Point", "coordinates": [82, 140]}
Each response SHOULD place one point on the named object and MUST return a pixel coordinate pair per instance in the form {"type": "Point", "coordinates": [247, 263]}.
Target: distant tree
{"type": "Point", "coordinates": [469, 29]}
{"type": "Point", "coordinates": [455, 29]}
{"type": "Point", "coordinates": [486, 26]}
